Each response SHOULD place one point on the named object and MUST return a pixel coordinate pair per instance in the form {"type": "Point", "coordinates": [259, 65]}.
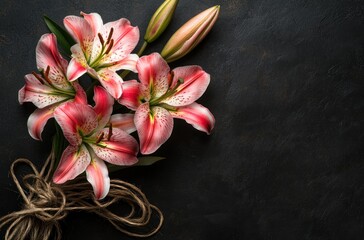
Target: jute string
{"type": "Point", "coordinates": [46, 203]}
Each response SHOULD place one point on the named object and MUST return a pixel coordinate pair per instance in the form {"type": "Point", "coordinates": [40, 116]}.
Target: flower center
{"type": "Point", "coordinates": [170, 92]}
{"type": "Point", "coordinates": [106, 47]}
{"type": "Point", "coordinates": [97, 138]}
{"type": "Point", "coordinates": [48, 82]}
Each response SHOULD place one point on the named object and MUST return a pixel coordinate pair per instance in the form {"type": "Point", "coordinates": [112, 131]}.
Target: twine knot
{"type": "Point", "coordinates": [46, 203]}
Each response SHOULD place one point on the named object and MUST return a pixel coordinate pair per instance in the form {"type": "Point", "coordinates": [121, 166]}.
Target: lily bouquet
{"type": "Point", "coordinates": [87, 115]}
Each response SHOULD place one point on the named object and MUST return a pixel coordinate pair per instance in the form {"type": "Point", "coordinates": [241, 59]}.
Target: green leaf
{"type": "Point", "coordinates": [64, 39]}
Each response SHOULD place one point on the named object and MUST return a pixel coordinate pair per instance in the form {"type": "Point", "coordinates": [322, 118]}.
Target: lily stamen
{"type": "Point", "coordinates": [101, 39]}
{"type": "Point", "coordinates": [173, 90]}
{"type": "Point", "coordinates": [179, 82]}
{"type": "Point", "coordinates": [170, 78]}
{"type": "Point", "coordinates": [46, 74]}
{"type": "Point", "coordinates": [47, 70]}
{"type": "Point", "coordinates": [37, 77]}
{"type": "Point", "coordinates": [110, 35]}
{"type": "Point", "coordinates": [109, 47]}
{"type": "Point", "coordinates": [110, 132]}
{"type": "Point", "coordinates": [100, 138]}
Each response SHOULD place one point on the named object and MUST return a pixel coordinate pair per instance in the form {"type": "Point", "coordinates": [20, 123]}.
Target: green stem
{"type": "Point", "coordinates": [140, 52]}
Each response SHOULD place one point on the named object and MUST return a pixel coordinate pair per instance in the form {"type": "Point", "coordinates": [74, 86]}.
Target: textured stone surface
{"type": "Point", "coordinates": [285, 160]}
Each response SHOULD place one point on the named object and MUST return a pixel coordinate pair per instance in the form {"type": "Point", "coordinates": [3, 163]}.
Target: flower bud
{"type": "Point", "coordinates": [190, 34]}
{"type": "Point", "coordinates": [160, 20]}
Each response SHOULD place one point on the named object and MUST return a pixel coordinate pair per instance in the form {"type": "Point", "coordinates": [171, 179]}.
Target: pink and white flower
{"type": "Point", "coordinates": [102, 49]}
{"type": "Point", "coordinates": [162, 95]}
{"type": "Point", "coordinates": [94, 140]}
{"type": "Point", "coordinates": [49, 89]}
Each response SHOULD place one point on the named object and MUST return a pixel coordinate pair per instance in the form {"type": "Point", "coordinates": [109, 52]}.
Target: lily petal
{"type": "Point", "coordinates": [96, 24]}
{"type": "Point", "coordinates": [125, 38]}
{"type": "Point", "coordinates": [39, 94]}
{"type": "Point", "coordinates": [154, 127]}
{"type": "Point", "coordinates": [21, 95]}
{"type": "Point", "coordinates": [103, 105]}
{"type": "Point", "coordinates": [94, 20]}
{"type": "Point", "coordinates": [47, 53]}
{"type": "Point", "coordinates": [127, 63]}
{"type": "Point", "coordinates": [74, 118]}
{"type": "Point", "coordinates": [153, 72]}
{"type": "Point", "coordinates": [98, 175]}
{"type": "Point", "coordinates": [111, 81]}
{"type": "Point", "coordinates": [78, 65]}
{"type": "Point", "coordinates": [81, 31]}
{"type": "Point", "coordinates": [195, 82]}
{"type": "Point", "coordinates": [121, 149]}
{"type": "Point", "coordinates": [124, 122]}
{"type": "Point", "coordinates": [131, 94]}
{"type": "Point", "coordinates": [196, 115]}
{"type": "Point", "coordinates": [48, 56]}
{"type": "Point", "coordinates": [74, 161]}
{"type": "Point", "coordinates": [80, 96]}
{"type": "Point", "coordinates": [38, 119]}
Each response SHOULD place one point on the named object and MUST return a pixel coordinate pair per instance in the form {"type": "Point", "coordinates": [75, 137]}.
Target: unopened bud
{"type": "Point", "coordinates": [190, 34]}
{"type": "Point", "coordinates": [160, 20]}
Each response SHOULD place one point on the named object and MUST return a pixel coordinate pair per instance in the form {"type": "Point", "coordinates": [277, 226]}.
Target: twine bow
{"type": "Point", "coordinates": [45, 204]}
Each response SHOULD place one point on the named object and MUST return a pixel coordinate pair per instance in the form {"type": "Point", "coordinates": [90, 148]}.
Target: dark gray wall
{"type": "Point", "coordinates": [286, 158]}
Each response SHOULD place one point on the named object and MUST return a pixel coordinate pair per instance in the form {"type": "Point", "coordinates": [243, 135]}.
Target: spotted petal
{"type": "Point", "coordinates": [196, 115]}
{"type": "Point", "coordinates": [38, 119]}
{"type": "Point", "coordinates": [103, 105]}
{"type": "Point", "coordinates": [48, 56]}
{"type": "Point", "coordinates": [75, 118]}
{"type": "Point", "coordinates": [131, 94]}
{"type": "Point", "coordinates": [124, 122]}
{"type": "Point", "coordinates": [78, 64]}
{"type": "Point", "coordinates": [74, 161]}
{"type": "Point", "coordinates": [80, 96]}
{"type": "Point", "coordinates": [195, 82]}
{"type": "Point", "coordinates": [154, 127]}
{"type": "Point", "coordinates": [111, 81]}
{"type": "Point", "coordinates": [127, 63]}
{"type": "Point", "coordinates": [81, 31]}
{"type": "Point", "coordinates": [153, 72]}
{"type": "Point", "coordinates": [120, 149]}
{"type": "Point", "coordinates": [125, 38]}
{"type": "Point", "coordinates": [94, 20]}
{"type": "Point", "coordinates": [98, 175]}
{"type": "Point", "coordinates": [39, 94]}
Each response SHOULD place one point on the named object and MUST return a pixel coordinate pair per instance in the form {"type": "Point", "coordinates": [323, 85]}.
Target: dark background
{"type": "Point", "coordinates": [285, 160]}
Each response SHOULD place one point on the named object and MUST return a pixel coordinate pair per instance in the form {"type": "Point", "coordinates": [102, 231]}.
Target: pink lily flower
{"type": "Point", "coordinates": [161, 96]}
{"type": "Point", "coordinates": [101, 50]}
{"type": "Point", "coordinates": [94, 140]}
{"type": "Point", "coordinates": [50, 89]}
